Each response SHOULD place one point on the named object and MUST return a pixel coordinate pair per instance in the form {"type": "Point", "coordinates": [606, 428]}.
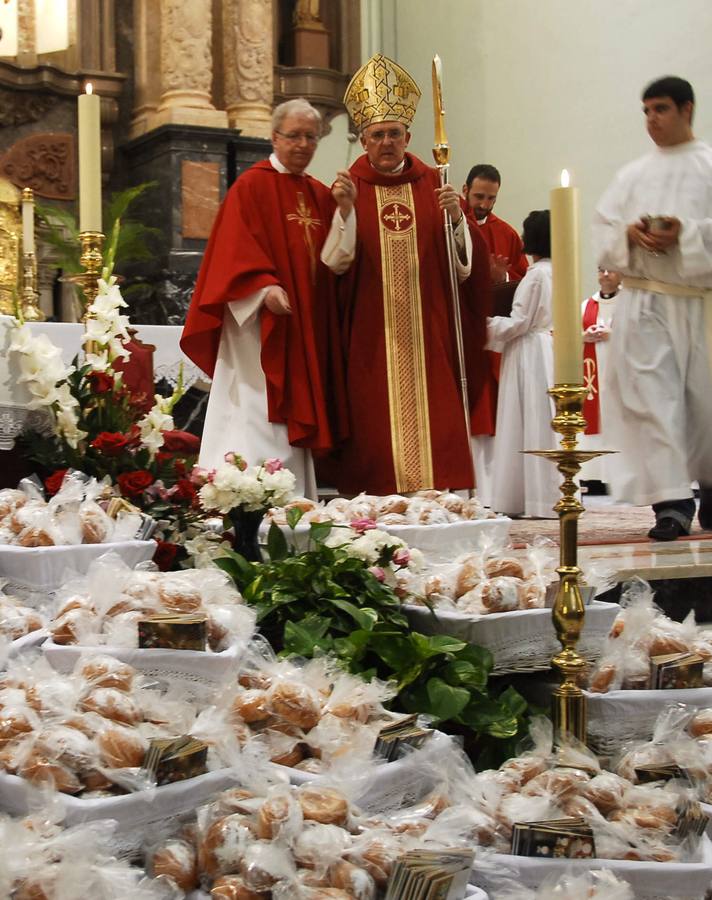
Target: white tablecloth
{"type": "Point", "coordinates": [165, 338]}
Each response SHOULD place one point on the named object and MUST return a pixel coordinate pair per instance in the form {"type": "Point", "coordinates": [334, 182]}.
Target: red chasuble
{"type": "Point", "coordinates": [591, 405]}
{"type": "Point", "coordinates": [407, 423]}
{"type": "Point", "coordinates": [503, 240]}
{"type": "Point", "coordinates": [270, 230]}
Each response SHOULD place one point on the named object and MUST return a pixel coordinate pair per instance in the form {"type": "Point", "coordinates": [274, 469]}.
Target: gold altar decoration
{"type": "Point", "coordinates": [568, 706]}
{"type": "Point", "coordinates": [29, 300]}
{"type": "Point", "coordinates": [92, 261]}
{"type": "Point", "coordinates": [10, 231]}
{"type": "Point", "coordinates": [381, 91]}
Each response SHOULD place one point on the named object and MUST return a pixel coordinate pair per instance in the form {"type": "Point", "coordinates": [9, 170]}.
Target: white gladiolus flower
{"type": "Point", "coordinates": [99, 362]}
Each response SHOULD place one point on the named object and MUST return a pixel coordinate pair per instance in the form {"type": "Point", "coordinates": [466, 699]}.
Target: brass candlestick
{"type": "Point", "coordinates": [92, 243]}
{"type": "Point", "coordinates": [31, 311]}
{"type": "Point", "coordinates": [568, 704]}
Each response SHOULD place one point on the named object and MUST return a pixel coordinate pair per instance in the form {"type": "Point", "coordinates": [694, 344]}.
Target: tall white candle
{"type": "Point", "coordinates": [89, 108]}
{"type": "Point", "coordinates": [566, 275]}
{"type": "Point", "coordinates": [28, 221]}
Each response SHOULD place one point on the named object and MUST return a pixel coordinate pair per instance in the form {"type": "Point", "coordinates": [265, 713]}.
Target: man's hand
{"type": "Point", "coordinates": [343, 190]}
{"type": "Point", "coordinates": [449, 199]}
{"type": "Point", "coordinates": [277, 302]}
{"type": "Point", "coordinates": [595, 333]}
{"type": "Point", "coordinates": [498, 268]}
{"type": "Point", "coordinates": [658, 241]}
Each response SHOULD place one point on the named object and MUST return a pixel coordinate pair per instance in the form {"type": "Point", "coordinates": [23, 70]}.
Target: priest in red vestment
{"type": "Point", "coordinates": [508, 260]}
{"type": "Point", "coordinates": [408, 428]}
{"type": "Point", "coordinates": [262, 321]}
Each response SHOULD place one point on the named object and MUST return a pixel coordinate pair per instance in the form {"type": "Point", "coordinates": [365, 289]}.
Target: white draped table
{"type": "Point", "coordinates": [14, 397]}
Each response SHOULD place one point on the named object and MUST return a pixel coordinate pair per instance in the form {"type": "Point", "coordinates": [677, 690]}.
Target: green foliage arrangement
{"type": "Point", "coordinates": [324, 601]}
{"type": "Point", "coordinates": [127, 240]}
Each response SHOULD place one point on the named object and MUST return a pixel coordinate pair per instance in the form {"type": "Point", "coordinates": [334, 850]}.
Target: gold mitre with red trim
{"type": "Point", "coordinates": [381, 91]}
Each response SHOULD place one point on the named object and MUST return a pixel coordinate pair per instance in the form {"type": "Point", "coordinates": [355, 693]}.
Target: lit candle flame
{"type": "Point", "coordinates": [565, 178]}
{"type": "Point", "coordinates": [88, 89]}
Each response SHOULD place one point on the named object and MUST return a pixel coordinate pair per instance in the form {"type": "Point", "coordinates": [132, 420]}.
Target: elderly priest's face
{"type": "Point", "coordinates": [385, 143]}
{"type": "Point", "coordinates": [295, 142]}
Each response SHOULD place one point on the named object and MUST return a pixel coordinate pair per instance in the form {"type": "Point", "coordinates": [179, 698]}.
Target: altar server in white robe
{"type": "Point", "coordinates": [654, 225]}
{"type": "Point", "coordinates": [522, 484]}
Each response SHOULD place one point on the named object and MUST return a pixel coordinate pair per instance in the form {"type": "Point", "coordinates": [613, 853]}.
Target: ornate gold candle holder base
{"type": "Point", "coordinates": [29, 302]}
{"type": "Point", "coordinates": [92, 244]}
{"type": "Point", "coordinates": [568, 702]}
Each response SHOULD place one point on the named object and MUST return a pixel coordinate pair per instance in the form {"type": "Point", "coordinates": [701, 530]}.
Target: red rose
{"type": "Point", "coordinates": [133, 484]}
{"type": "Point", "coordinates": [54, 481]}
{"type": "Point", "coordinates": [181, 442]}
{"type": "Point", "coordinates": [185, 490]}
{"type": "Point", "coordinates": [110, 443]}
{"type": "Point", "coordinates": [165, 555]}
{"type": "Point", "coordinates": [101, 382]}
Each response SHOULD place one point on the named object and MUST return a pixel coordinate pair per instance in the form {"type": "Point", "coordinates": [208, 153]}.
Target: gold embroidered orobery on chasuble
{"type": "Point", "coordinates": [405, 344]}
{"type": "Point", "coordinates": [303, 217]}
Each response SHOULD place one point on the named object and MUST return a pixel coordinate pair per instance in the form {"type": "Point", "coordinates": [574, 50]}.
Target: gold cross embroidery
{"type": "Point", "coordinates": [303, 216]}
{"type": "Point", "coordinates": [397, 217]}
{"type": "Point", "coordinates": [589, 377]}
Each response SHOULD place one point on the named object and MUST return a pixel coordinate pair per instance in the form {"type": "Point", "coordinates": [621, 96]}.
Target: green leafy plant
{"type": "Point", "coordinates": [127, 240]}
{"type": "Point", "coordinates": [324, 601]}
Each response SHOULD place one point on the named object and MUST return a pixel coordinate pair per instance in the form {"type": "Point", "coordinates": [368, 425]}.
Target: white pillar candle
{"type": "Point", "coordinates": [566, 278]}
{"type": "Point", "coordinates": [89, 108]}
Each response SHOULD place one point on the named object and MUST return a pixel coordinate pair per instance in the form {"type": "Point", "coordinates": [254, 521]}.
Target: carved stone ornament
{"type": "Point", "coordinates": [20, 107]}
{"type": "Point", "coordinates": [248, 69]}
{"type": "Point", "coordinates": [186, 58]}
{"type": "Point", "coordinates": [44, 162]}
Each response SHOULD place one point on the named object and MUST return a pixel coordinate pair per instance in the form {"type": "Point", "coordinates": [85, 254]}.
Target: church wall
{"type": "Point", "coordinates": [533, 87]}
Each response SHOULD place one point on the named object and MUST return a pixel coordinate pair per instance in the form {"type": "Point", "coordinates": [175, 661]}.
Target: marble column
{"type": "Point", "coordinates": [26, 25]}
{"type": "Point", "coordinates": [186, 72]}
{"type": "Point", "coordinates": [147, 51]}
{"type": "Point", "coordinates": [248, 65]}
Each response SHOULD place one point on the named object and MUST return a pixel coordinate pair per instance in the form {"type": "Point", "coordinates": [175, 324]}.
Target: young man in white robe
{"type": "Point", "coordinates": [654, 225]}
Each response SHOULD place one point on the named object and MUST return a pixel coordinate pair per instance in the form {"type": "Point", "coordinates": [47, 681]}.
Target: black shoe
{"type": "Point", "coordinates": [667, 529]}
{"type": "Point", "coordinates": [704, 513]}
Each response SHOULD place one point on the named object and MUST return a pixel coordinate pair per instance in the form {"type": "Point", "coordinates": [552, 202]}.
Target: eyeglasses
{"type": "Point", "coordinates": [393, 134]}
{"type": "Point", "coordinates": [294, 137]}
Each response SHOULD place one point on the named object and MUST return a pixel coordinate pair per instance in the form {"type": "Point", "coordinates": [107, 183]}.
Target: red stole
{"type": "Point", "coordinates": [591, 405]}
{"type": "Point", "coordinates": [270, 230]}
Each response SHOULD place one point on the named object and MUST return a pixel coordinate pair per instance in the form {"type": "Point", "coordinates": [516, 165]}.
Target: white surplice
{"type": "Point", "coordinates": [601, 468]}
{"type": "Point", "coordinates": [521, 484]}
{"type": "Point", "coordinates": [236, 417]}
{"type": "Point", "coordinates": [660, 377]}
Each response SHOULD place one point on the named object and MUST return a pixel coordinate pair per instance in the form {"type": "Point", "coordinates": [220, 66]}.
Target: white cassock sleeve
{"type": "Point", "coordinates": [527, 300]}
{"type": "Point", "coordinates": [695, 246]}
{"type": "Point", "coordinates": [610, 230]}
{"type": "Point", "coordinates": [463, 249]}
{"type": "Point", "coordinates": [340, 245]}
